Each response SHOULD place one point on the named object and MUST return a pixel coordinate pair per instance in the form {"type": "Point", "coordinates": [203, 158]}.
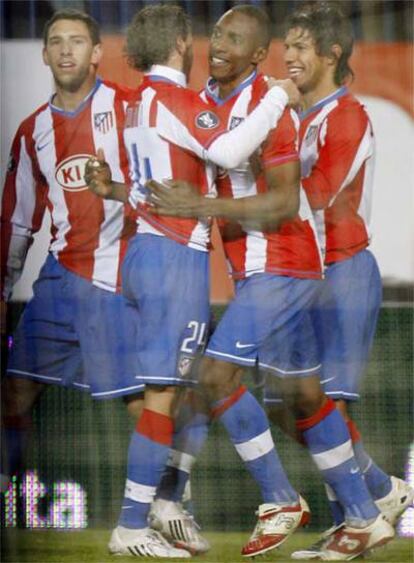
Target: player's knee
{"type": "Point", "coordinates": [304, 400]}
{"type": "Point", "coordinates": [219, 379]}
{"type": "Point", "coordinates": [19, 396]}
{"type": "Point", "coordinates": [134, 404]}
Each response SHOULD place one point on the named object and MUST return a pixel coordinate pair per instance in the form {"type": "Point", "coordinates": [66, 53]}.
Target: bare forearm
{"type": "Point", "coordinates": [119, 192]}
{"type": "Point", "coordinates": [264, 211]}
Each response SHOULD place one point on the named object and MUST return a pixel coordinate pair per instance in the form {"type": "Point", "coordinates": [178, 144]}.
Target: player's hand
{"type": "Point", "coordinates": [98, 175]}
{"type": "Point", "coordinates": [173, 197]}
{"type": "Point", "coordinates": [288, 86]}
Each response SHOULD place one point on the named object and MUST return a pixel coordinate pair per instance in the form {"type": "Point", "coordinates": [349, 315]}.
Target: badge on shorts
{"type": "Point", "coordinates": [207, 120]}
{"type": "Point", "coordinates": [184, 365]}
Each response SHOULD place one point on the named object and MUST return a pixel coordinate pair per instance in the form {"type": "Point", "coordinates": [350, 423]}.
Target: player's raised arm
{"type": "Point", "coordinates": [204, 135]}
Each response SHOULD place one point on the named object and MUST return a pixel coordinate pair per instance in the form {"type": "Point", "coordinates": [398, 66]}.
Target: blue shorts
{"type": "Point", "coordinates": [75, 334]}
{"type": "Point", "coordinates": [169, 286]}
{"type": "Point", "coordinates": [267, 324]}
{"type": "Point", "coordinates": [345, 320]}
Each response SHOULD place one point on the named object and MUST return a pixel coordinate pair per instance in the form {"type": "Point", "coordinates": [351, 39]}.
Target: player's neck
{"type": "Point", "coordinates": [226, 88]}
{"type": "Point", "coordinates": [322, 90]}
{"type": "Point", "coordinates": [70, 101]}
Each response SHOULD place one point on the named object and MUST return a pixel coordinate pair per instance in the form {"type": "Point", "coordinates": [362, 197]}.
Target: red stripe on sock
{"type": "Point", "coordinates": [306, 423]}
{"type": "Point", "coordinates": [17, 422]}
{"type": "Point", "coordinates": [353, 430]}
{"type": "Point", "coordinates": [227, 403]}
{"type": "Point", "coordinates": [156, 426]}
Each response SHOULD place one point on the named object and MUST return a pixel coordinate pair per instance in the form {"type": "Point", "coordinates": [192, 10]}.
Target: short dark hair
{"type": "Point", "coordinates": [153, 33]}
{"type": "Point", "coordinates": [328, 26]}
{"type": "Point", "coordinates": [72, 14]}
{"type": "Point", "coordinates": [261, 18]}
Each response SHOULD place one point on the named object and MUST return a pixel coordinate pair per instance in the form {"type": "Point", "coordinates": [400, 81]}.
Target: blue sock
{"type": "Point", "coordinates": [188, 439]}
{"type": "Point", "coordinates": [335, 506]}
{"type": "Point", "coordinates": [378, 482]}
{"type": "Point", "coordinates": [248, 428]}
{"type": "Point", "coordinates": [147, 455]}
{"type": "Point", "coordinates": [327, 437]}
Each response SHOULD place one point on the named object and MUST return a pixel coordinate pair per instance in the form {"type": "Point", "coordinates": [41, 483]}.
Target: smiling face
{"type": "Point", "coordinates": [310, 71]}
{"type": "Point", "coordinates": [235, 49]}
{"type": "Point", "coordinates": [71, 56]}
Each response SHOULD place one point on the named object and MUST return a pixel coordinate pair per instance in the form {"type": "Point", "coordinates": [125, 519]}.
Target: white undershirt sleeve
{"type": "Point", "coordinates": [20, 242]}
{"type": "Point", "coordinates": [234, 147]}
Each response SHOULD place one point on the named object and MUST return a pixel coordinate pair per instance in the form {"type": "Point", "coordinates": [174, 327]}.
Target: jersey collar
{"type": "Point", "coordinates": [319, 105]}
{"type": "Point", "coordinates": [162, 73]}
{"type": "Point", "coordinates": [212, 89]}
{"type": "Point", "coordinates": [80, 107]}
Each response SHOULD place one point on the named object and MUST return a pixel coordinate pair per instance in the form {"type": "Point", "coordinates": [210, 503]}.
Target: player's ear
{"type": "Point", "coordinates": [336, 52]}
{"type": "Point", "coordinates": [259, 55]}
{"type": "Point", "coordinates": [181, 46]}
{"type": "Point", "coordinates": [97, 53]}
{"type": "Point", "coordinates": [45, 56]}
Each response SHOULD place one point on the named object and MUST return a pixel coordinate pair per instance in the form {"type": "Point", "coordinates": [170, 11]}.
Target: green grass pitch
{"type": "Point", "coordinates": [24, 546]}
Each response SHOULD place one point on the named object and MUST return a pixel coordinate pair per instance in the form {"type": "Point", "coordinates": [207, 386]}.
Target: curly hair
{"type": "Point", "coordinates": [74, 15]}
{"type": "Point", "coordinates": [153, 33]}
{"type": "Point", "coordinates": [328, 26]}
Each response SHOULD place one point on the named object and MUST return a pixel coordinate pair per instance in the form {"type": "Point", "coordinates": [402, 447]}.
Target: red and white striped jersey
{"type": "Point", "coordinates": [337, 158]}
{"type": "Point", "coordinates": [162, 95]}
{"type": "Point", "coordinates": [46, 168]}
{"type": "Point", "coordinates": [292, 250]}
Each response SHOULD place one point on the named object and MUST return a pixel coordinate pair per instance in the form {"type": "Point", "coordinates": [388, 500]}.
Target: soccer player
{"type": "Point", "coordinates": [165, 269]}
{"type": "Point", "coordinates": [77, 329]}
{"type": "Point", "coordinates": [337, 155]}
{"type": "Point", "coordinates": [275, 262]}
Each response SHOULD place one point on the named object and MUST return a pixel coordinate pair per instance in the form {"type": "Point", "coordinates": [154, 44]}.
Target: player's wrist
{"type": "Point", "coordinates": [277, 96]}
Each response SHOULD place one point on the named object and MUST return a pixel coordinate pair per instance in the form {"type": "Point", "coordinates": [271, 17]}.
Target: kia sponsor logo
{"type": "Point", "coordinates": [69, 174]}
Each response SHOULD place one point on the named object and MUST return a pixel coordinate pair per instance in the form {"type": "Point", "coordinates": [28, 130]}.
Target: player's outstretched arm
{"type": "Point", "coordinates": [98, 177]}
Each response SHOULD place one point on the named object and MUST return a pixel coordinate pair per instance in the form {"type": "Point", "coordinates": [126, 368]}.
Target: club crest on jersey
{"type": "Point", "coordinates": [103, 121]}
{"type": "Point", "coordinates": [235, 121]}
{"type": "Point", "coordinates": [69, 174]}
{"type": "Point", "coordinates": [207, 120]}
{"type": "Point", "coordinates": [311, 135]}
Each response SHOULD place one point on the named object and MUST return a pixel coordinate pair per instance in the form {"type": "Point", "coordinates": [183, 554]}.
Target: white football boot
{"type": "Point", "coordinates": [177, 525]}
{"type": "Point", "coordinates": [274, 525]}
{"type": "Point", "coordinates": [347, 543]}
{"type": "Point", "coordinates": [313, 550]}
{"type": "Point", "coordinates": [143, 543]}
{"type": "Point", "coordinates": [397, 501]}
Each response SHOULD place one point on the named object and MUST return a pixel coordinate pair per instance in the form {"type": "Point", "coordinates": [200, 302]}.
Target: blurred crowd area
{"type": "Point", "coordinates": [373, 20]}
